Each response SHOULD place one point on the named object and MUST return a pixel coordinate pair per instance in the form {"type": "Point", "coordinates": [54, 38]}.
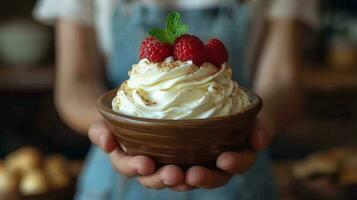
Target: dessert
{"type": "Point", "coordinates": [329, 174]}
{"type": "Point", "coordinates": [8, 183]}
{"type": "Point", "coordinates": [34, 182]}
{"type": "Point", "coordinates": [23, 159]}
{"type": "Point", "coordinates": [180, 77]}
{"type": "Point", "coordinates": [29, 174]}
{"type": "Point", "coordinates": [2, 166]}
{"type": "Point", "coordinates": [56, 169]}
{"type": "Point", "coordinates": [327, 163]}
{"type": "Point", "coordinates": [179, 89]}
{"type": "Point", "coordinates": [56, 163]}
{"type": "Point", "coordinates": [314, 166]}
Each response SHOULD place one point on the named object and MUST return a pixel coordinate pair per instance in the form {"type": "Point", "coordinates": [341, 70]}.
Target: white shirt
{"type": "Point", "coordinates": [98, 13]}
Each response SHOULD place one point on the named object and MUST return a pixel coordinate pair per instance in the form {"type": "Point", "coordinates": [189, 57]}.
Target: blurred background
{"type": "Point", "coordinates": [327, 132]}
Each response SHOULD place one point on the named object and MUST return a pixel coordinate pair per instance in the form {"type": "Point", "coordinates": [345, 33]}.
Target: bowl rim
{"type": "Point", "coordinates": [108, 113]}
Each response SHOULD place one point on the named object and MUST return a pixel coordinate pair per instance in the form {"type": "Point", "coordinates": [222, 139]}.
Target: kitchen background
{"type": "Point", "coordinates": [325, 136]}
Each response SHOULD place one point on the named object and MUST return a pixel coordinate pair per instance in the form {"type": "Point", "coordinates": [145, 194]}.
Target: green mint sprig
{"type": "Point", "coordinates": [174, 29]}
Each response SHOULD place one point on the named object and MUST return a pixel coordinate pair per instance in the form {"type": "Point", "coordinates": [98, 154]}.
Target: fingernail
{"type": "Point", "coordinates": [139, 172]}
{"type": "Point", "coordinates": [167, 183]}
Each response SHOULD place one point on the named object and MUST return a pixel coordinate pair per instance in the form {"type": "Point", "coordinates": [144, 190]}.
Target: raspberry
{"type": "Point", "coordinates": [154, 50]}
{"type": "Point", "coordinates": [189, 47]}
{"type": "Point", "coordinates": [216, 52]}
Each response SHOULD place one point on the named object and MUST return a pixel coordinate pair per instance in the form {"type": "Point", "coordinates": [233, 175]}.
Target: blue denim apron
{"type": "Point", "coordinates": [130, 25]}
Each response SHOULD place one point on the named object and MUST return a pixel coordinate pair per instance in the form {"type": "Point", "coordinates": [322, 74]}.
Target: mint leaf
{"type": "Point", "coordinates": [182, 29]}
{"type": "Point", "coordinates": [159, 34]}
{"type": "Point", "coordinates": [174, 26]}
{"type": "Point", "coordinates": [174, 29]}
{"type": "Point", "coordinates": [173, 20]}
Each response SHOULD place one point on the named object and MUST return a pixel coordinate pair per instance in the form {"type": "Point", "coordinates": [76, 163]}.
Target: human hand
{"type": "Point", "coordinates": [231, 163]}
{"type": "Point", "coordinates": [171, 176]}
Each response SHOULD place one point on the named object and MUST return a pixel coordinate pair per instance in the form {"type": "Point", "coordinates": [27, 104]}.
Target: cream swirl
{"type": "Point", "coordinates": [179, 90]}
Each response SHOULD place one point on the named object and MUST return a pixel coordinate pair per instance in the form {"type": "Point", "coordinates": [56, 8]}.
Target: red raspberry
{"type": "Point", "coordinates": [154, 50]}
{"type": "Point", "coordinates": [189, 47]}
{"type": "Point", "coordinates": [216, 52]}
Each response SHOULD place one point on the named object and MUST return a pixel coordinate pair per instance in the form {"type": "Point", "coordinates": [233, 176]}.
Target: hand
{"type": "Point", "coordinates": [171, 176]}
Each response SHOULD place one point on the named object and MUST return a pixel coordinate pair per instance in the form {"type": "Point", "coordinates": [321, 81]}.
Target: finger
{"type": "Point", "coordinates": [260, 139]}
{"type": "Point", "coordinates": [131, 165]}
{"type": "Point", "coordinates": [100, 135]}
{"type": "Point", "coordinates": [236, 162]}
{"type": "Point", "coordinates": [202, 177]}
{"type": "Point", "coordinates": [182, 188]}
{"type": "Point", "coordinates": [167, 176]}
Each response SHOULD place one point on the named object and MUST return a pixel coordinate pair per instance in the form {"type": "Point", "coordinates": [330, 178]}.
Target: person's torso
{"type": "Point", "coordinates": [129, 26]}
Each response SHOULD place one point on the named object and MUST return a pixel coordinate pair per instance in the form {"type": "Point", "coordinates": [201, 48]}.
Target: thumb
{"type": "Point", "coordinates": [100, 135]}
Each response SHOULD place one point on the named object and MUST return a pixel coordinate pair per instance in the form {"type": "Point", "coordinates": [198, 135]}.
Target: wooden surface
{"type": "Point", "coordinates": [39, 78]}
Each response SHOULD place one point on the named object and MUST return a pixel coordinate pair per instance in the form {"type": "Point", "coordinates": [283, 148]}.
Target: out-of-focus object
{"type": "Point", "coordinates": [59, 180]}
{"type": "Point", "coordinates": [75, 167]}
{"type": "Point", "coordinates": [321, 163]}
{"type": "Point", "coordinates": [353, 30]}
{"type": "Point", "coordinates": [342, 53]}
{"type": "Point", "coordinates": [8, 183]}
{"type": "Point", "coordinates": [315, 166]}
{"type": "Point", "coordinates": [330, 174]}
{"type": "Point", "coordinates": [27, 174]}
{"type": "Point", "coordinates": [349, 171]}
{"type": "Point", "coordinates": [57, 170]}
{"type": "Point", "coordinates": [315, 175]}
{"type": "Point", "coordinates": [24, 159]}
{"type": "Point", "coordinates": [23, 43]}
{"type": "Point", "coordinates": [56, 164]}
{"type": "Point", "coordinates": [34, 182]}
{"type": "Point", "coordinates": [348, 178]}
{"type": "Point", "coordinates": [2, 166]}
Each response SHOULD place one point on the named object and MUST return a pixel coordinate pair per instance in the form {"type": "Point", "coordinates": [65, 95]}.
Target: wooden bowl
{"type": "Point", "coordinates": [185, 142]}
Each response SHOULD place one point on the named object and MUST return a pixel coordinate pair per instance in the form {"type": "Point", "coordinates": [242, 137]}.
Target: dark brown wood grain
{"type": "Point", "coordinates": [183, 142]}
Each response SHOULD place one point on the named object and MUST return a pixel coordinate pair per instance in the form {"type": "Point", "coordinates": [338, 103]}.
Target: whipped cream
{"type": "Point", "coordinates": [179, 90]}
